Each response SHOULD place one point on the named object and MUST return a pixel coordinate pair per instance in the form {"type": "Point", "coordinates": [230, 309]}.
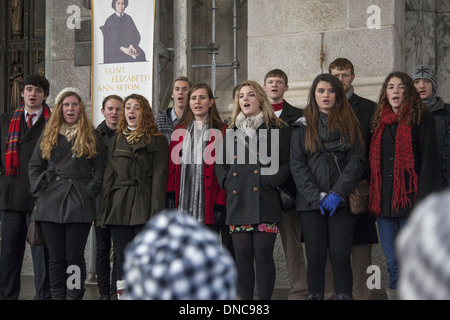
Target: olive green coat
{"type": "Point", "coordinates": [134, 184]}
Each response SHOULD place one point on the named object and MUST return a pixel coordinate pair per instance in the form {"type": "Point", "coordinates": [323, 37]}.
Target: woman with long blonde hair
{"type": "Point", "coordinates": [134, 184]}
{"type": "Point", "coordinates": [327, 159]}
{"type": "Point", "coordinates": [256, 162]}
{"type": "Point", "coordinates": [66, 198]}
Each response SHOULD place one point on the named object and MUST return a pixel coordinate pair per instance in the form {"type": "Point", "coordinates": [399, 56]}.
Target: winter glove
{"type": "Point", "coordinates": [330, 202]}
{"type": "Point", "coordinates": [170, 200]}
{"type": "Point", "coordinates": [220, 214]}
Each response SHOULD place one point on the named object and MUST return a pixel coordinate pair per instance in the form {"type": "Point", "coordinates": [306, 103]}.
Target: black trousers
{"type": "Point", "coordinates": [14, 226]}
{"type": "Point", "coordinates": [106, 278]}
{"type": "Point", "coordinates": [323, 234]}
{"type": "Point", "coordinates": [122, 235]}
{"type": "Point", "coordinates": [66, 246]}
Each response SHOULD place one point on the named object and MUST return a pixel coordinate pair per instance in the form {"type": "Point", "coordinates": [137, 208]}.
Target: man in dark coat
{"type": "Point", "coordinates": [111, 110]}
{"type": "Point", "coordinates": [275, 85]}
{"type": "Point", "coordinates": [20, 131]}
{"type": "Point", "coordinates": [365, 233]}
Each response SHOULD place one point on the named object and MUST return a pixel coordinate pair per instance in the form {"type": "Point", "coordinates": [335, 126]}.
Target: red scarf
{"type": "Point", "coordinates": [12, 141]}
{"type": "Point", "coordinates": [278, 106]}
{"type": "Point", "coordinates": [403, 163]}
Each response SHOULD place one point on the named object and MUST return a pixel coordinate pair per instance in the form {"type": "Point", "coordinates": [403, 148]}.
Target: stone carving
{"type": "Point", "coordinates": [15, 81]}
{"type": "Point", "coordinates": [16, 18]}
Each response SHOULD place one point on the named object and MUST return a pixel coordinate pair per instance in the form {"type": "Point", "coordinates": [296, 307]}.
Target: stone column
{"type": "Point", "coordinates": [182, 33]}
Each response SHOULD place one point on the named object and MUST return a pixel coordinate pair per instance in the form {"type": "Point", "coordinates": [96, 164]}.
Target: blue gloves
{"type": "Point", "coordinates": [330, 203]}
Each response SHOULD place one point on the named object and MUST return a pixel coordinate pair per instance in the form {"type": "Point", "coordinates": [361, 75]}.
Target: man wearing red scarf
{"type": "Point", "coordinates": [20, 130]}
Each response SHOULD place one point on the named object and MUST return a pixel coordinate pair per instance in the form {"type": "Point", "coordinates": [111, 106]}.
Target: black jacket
{"type": "Point", "coordinates": [70, 196]}
{"type": "Point", "coordinates": [289, 115]}
{"type": "Point", "coordinates": [365, 228]}
{"type": "Point", "coordinates": [427, 164]}
{"type": "Point", "coordinates": [252, 196]}
{"type": "Point", "coordinates": [318, 172]}
{"type": "Point", "coordinates": [14, 191]}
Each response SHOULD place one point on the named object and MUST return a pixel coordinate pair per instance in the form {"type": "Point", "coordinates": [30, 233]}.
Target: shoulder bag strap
{"type": "Point", "coordinates": [68, 154]}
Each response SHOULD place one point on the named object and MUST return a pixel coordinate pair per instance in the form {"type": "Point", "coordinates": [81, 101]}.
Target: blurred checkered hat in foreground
{"type": "Point", "coordinates": [176, 258]}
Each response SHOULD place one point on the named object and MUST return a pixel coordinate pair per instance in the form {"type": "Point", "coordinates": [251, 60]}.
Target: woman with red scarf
{"type": "Point", "coordinates": [403, 162]}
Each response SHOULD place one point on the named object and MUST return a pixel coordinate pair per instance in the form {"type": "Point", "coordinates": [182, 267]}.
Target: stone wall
{"type": "Point", "coordinates": [428, 39]}
{"type": "Point", "coordinates": [290, 35]}
{"type": "Point", "coordinates": [60, 53]}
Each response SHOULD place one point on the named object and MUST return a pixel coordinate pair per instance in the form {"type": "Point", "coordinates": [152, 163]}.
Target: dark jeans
{"type": "Point", "coordinates": [122, 235]}
{"type": "Point", "coordinates": [105, 278]}
{"type": "Point", "coordinates": [66, 246]}
{"type": "Point", "coordinates": [14, 231]}
{"type": "Point", "coordinates": [334, 234]}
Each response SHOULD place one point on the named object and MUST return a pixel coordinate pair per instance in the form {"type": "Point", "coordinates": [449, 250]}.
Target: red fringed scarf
{"type": "Point", "coordinates": [403, 163]}
{"type": "Point", "coordinates": [11, 152]}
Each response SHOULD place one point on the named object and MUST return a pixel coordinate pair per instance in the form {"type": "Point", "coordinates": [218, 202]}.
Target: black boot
{"type": "Point", "coordinates": [315, 296]}
{"type": "Point", "coordinates": [343, 296]}
{"type": "Point", "coordinates": [75, 294]}
{"type": "Point", "coordinates": [58, 293]}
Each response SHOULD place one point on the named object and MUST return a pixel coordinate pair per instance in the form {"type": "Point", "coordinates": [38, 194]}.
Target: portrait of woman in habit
{"type": "Point", "coordinates": [121, 37]}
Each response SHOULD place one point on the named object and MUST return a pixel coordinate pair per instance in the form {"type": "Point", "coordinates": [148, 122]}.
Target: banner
{"type": "Point", "coordinates": [122, 50]}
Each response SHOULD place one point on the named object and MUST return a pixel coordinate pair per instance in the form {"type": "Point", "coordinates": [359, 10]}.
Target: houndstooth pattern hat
{"type": "Point", "coordinates": [423, 251]}
{"type": "Point", "coordinates": [176, 258]}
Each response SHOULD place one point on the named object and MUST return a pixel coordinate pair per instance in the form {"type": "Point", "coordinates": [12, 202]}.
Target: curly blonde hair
{"type": "Point", "coordinates": [146, 125]}
{"type": "Point", "coordinates": [85, 143]}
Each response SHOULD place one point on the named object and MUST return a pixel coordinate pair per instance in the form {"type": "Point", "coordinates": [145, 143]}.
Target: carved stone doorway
{"type": "Point", "coordinates": [22, 46]}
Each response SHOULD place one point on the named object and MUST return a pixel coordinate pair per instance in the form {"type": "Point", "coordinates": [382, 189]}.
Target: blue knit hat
{"type": "Point", "coordinates": [176, 258]}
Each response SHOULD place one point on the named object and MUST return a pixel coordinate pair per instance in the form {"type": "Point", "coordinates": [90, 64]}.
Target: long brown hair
{"type": "Point", "coordinates": [214, 117]}
{"type": "Point", "coordinates": [85, 144]}
{"type": "Point", "coordinates": [269, 115]}
{"type": "Point", "coordinates": [146, 125]}
{"type": "Point", "coordinates": [411, 98]}
{"type": "Point", "coordinates": [341, 116]}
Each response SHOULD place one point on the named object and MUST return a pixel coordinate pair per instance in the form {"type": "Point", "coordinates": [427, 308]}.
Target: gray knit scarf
{"type": "Point", "coordinates": [331, 139]}
{"type": "Point", "coordinates": [192, 196]}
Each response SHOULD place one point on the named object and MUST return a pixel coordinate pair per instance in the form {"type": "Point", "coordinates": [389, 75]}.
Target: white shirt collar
{"type": "Point", "coordinates": [173, 114]}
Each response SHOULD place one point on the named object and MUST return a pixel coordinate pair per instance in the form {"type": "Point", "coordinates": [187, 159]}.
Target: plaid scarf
{"type": "Point", "coordinates": [403, 163]}
{"type": "Point", "coordinates": [11, 153]}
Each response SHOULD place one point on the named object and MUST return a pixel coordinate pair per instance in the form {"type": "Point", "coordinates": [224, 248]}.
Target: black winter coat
{"type": "Point", "coordinates": [14, 190]}
{"type": "Point", "coordinates": [252, 197]}
{"type": "Point", "coordinates": [290, 114]}
{"type": "Point", "coordinates": [70, 196]}
{"type": "Point", "coordinates": [318, 172]}
{"type": "Point", "coordinates": [365, 228]}
{"type": "Point", "coordinates": [427, 164]}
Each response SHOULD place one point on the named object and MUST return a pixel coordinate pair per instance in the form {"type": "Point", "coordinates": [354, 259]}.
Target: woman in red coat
{"type": "Point", "coordinates": [192, 182]}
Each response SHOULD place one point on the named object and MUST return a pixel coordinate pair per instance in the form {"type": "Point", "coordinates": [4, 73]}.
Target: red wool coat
{"type": "Point", "coordinates": [214, 194]}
